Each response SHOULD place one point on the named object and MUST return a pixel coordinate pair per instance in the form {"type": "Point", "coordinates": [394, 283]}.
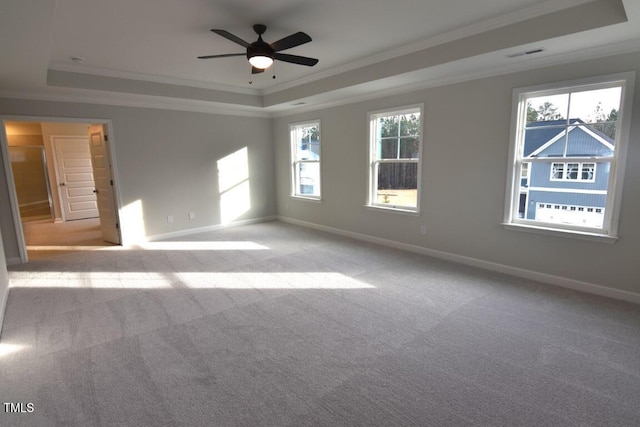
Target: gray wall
{"type": "Point", "coordinates": [167, 163]}
{"type": "Point", "coordinates": [465, 150]}
{"type": "Point", "coordinates": [4, 284]}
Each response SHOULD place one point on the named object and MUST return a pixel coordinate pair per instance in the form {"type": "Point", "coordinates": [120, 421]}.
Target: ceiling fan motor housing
{"type": "Point", "coordinates": [260, 48]}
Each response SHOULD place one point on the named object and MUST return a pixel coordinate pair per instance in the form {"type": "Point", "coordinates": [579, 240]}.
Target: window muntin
{"type": "Point", "coordinates": [562, 136]}
{"type": "Point", "coordinates": [305, 160]}
{"type": "Point", "coordinates": [395, 146]}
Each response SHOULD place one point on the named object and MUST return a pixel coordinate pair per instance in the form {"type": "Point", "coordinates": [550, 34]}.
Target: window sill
{"type": "Point", "coordinates": [581, 235]}
{"type": "Point", "coordinates": [392, 209]}
{"type": "Point", "coordinates": [308, 199]}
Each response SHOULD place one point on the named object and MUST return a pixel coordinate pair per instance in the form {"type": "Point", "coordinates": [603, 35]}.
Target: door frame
{"type": "Point", "coordinates": [13, 198]}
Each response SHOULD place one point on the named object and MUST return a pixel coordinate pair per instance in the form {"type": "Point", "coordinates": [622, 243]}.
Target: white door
{"type": "Point", "coordinates": [104, 185]}
{"type": "Point", "coordinates": [75, 177]}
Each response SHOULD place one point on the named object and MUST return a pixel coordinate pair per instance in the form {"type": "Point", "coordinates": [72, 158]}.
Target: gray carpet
{"type": "Point", "coordinates": [277, 325]}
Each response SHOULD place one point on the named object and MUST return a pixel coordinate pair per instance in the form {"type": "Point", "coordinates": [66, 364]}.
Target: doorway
{"type": "Point", "coordinates": [56, 200]}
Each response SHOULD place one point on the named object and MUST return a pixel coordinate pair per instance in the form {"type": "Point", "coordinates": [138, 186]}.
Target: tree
{"type": "Point", "coordinates": [532, 114]}
{"type": "Point", "coordinates": [610, 124]}
{"type": "Point", "coordinates": [310, 133]}
{"type": "Point", "coordinates": [548, 111]}
{"type": "Point", "coordinates": [409, 125]}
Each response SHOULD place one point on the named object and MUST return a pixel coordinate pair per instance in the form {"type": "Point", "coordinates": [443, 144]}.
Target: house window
{"type": "Point", "coordinates": [561, 136]}
{"type": "Point", "coordinates": [305, 160]}
{"type": "Point", "coordinates": [394, 158]}
{"type": "Point", "coordinates": [585, 172]}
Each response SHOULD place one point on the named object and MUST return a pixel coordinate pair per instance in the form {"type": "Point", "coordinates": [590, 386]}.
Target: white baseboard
{"type": "Point", "coordinates": [191, 231]}
{"type": "Point", "coordinates": [550, 279]}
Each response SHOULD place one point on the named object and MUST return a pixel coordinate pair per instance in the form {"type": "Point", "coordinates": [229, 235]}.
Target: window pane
{"type": "Point", "coordinates": [524, 175]}
{"type": "Point", "coordinates": [588, 171]}
{"type": "Point", "coordinates": [572, 170]}
{"type": "Point", "coordinates": [557, 171]}
{"type": "Point", "coordinates": [307, 143]}
{"type": "Point", "coordinates": [308, 179]}
{"type": "Point", "coordinates": [594, 106]}
{"type": "Point", "coordinates": [588, 214]}
{"type": "Point", "coordinates": [547, 108]}
{"type": "Point", "coordinates": [538, 139]}
{"type": "Point", "coordinates": [606, 130]}
{"type": "Point", "coordinates": [388, 149]}
{"type": "Point", "coordinates": [410, 125]}
{"type": "Point", "coordinates": [573, 140]}
{"type": "Point", "coordinates": [409, 148]}
{"type": "Point", "coordinates": [587, 140]}
{"type": "Point", "coordinates": [397, 184]}
{"type": "Point", "coordinates": [388, 126]}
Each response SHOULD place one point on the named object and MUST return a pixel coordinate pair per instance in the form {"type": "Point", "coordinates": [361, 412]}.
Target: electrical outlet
{"type": "Point", "coordinates": [170, 218]}
{"type": "Point", "coordinates": [192, 215]}
{"type": "Point", "coordinates": [423, 229]}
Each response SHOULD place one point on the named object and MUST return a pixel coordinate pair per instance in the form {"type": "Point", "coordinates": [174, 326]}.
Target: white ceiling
{"type": "Point", "coordinates": [144, 51]}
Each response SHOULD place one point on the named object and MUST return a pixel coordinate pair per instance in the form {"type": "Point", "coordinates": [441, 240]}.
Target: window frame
{"type": "Point", "coordinates": [609, 230]}
{"type": "Point", "coordinates": [293, 151]}
{"type": "Point", "coordinates": [373, 161]}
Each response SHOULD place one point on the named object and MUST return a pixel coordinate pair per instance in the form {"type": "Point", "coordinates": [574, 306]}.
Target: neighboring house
{"type": "Point", "coordinates": [561, 190]}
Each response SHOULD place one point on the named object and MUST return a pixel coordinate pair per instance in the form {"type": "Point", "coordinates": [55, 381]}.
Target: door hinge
{"type": "Point", "coordinates": [117, 226]}
{"type": "Point", "coordinates": [111, 181]}
{"type": "Point", "coordinates": [106, 137]}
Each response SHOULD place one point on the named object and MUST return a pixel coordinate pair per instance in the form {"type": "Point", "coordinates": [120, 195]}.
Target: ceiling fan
{"type": "Point", "coordinates": [262, 54]}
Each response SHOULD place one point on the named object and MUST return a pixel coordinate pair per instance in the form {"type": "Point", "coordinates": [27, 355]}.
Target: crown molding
{"type": "Point", "coordinates": [128, 75]}
{"type": "Point", "coordinates": [140, 101]}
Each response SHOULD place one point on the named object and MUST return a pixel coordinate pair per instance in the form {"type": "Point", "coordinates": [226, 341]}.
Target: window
{"type": "Point", "coordinates": [567, 154]}
{"type": "Point", "coordinates": [394, 153]}
{"type": "Point", "coordinates": [305, 160]}
{"type": "Point", "coordinates": [585, 172]}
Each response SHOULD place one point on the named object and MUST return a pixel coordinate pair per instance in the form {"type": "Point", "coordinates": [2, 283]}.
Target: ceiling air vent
{"type": "Point", "coordinates": [524, 53]}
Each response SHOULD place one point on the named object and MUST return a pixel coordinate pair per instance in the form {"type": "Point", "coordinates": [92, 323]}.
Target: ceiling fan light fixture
{"type": "Point", "coordinates": [261, 61]}
{"type": "Point", "coordinates": [261, 54]}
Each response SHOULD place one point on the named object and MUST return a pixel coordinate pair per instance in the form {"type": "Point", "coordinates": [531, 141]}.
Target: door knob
{"type": "Point", "coordinates": [62, 184]}
{"type": "Point", "coordinates": [95, 190]}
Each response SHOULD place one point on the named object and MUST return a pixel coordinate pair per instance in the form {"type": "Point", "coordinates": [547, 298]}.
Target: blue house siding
{"type": "Point", "coordinates": [541, 177]}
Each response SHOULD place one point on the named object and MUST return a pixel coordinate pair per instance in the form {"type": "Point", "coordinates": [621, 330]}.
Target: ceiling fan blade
{"type": "Point", "coordinates": [224, 55]}
{"type": "Point", "coordinates": [227, 35]}
{"type": "Point", "coordinates": [291, 41]}
{"type": "Point", "coordinates": [255, 70]}
{"type": "Point", "coordinates": [295, 59]}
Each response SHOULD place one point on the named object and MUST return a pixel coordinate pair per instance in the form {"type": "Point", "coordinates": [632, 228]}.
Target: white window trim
{"type": "Point", "coordinates": [609, 232]}
{"type": "Point", "coordinates": [292, 169]}
{"type": "Point", "coordinates": [371, 175]}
